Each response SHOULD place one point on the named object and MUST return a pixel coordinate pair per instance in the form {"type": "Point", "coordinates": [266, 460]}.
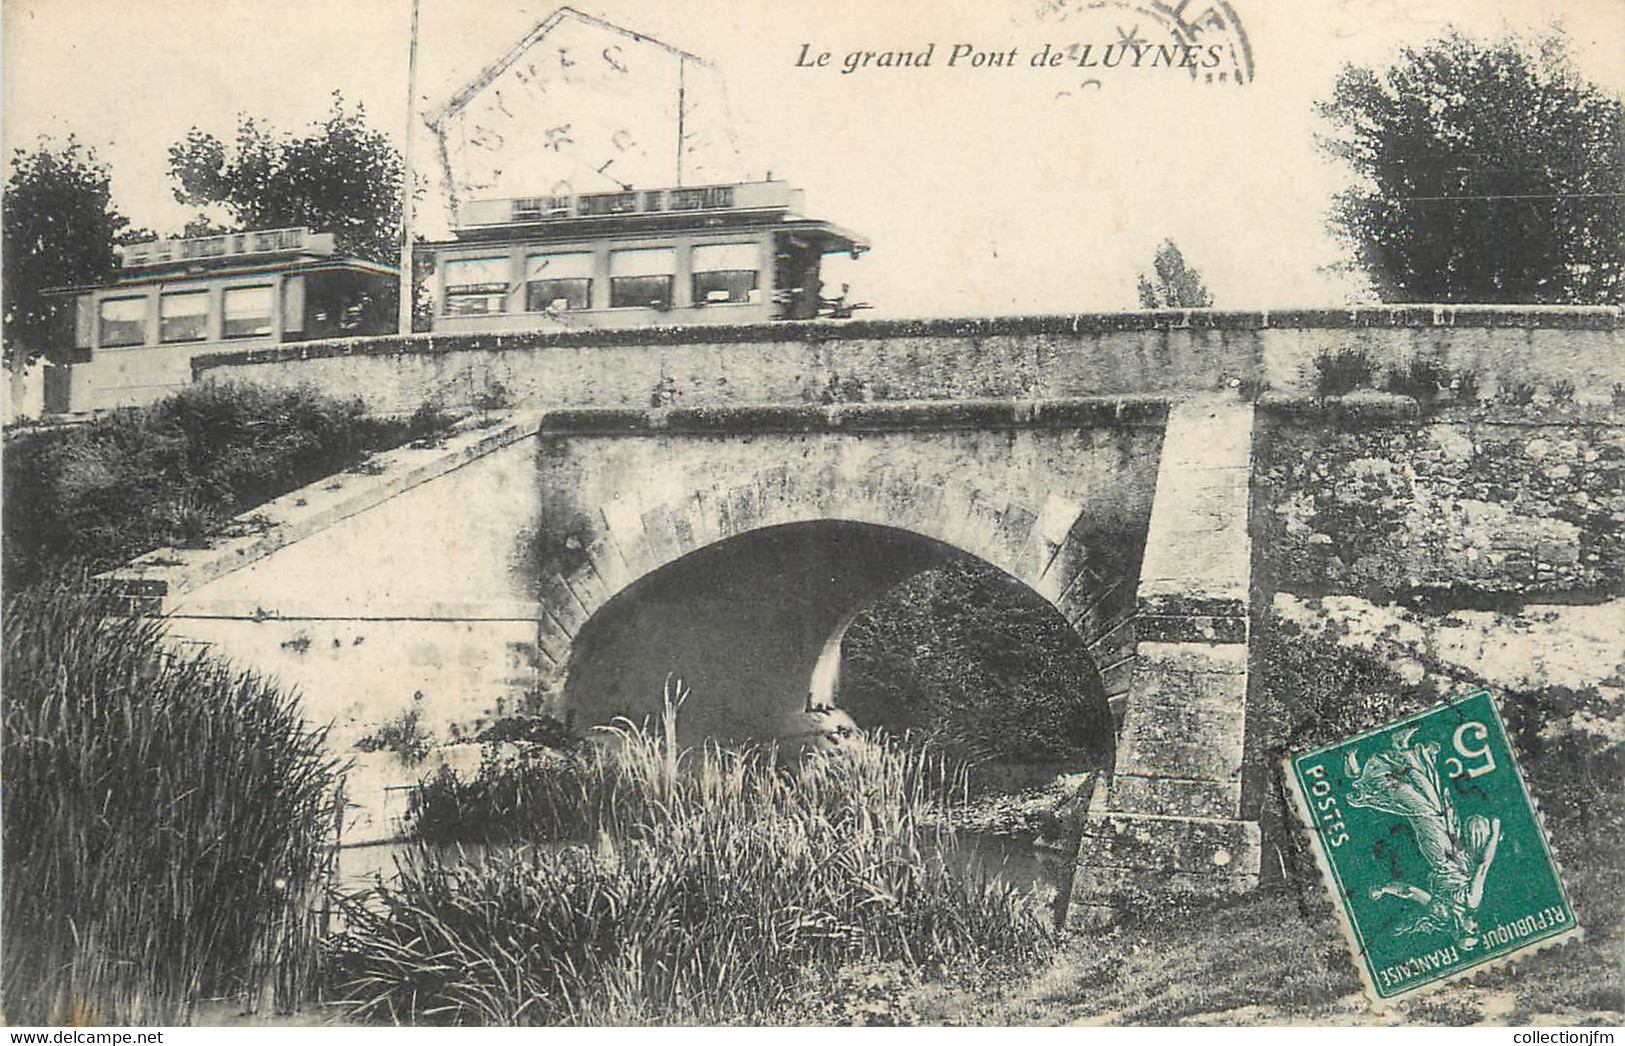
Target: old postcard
{"type": "Point", "coordinates": [739, 513]}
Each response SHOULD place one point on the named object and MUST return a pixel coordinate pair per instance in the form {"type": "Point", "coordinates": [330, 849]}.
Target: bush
{"type": "Point", "coordinates": [1342, 370]}
{"type": "Point", "coordinates": [167, 823]}
{"type": "Point", "coordinates": [978, 664]}
{"type": "Point", "coordinates": [1422, 379]}
{"type": "Point", "coordinates": [1252, 389]}
{"type": "Point", "coordinates": [717, 882]}
{"type": "Point", "coordinates": [529, 796]}
{"type": "Point", "coordinates": [95, 496]}
{"type": "Point", "coordinates": [427, 423]}
{"type": "Point", "coordinates": [541, 729]}
{"type": "Point", "coordinates": [1518, 394]}
{"type": "Point", "coordinates": [1466, 385]}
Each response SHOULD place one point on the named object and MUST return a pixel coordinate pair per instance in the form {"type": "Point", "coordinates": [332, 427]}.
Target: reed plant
{"type": "Point", "coordinates": [167, 824]}
{"type": "Point", "coordinates": [710, 884]}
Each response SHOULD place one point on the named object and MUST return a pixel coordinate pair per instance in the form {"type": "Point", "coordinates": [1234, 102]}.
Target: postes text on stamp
{"type": "Point", "coordinates": [1431, 847]}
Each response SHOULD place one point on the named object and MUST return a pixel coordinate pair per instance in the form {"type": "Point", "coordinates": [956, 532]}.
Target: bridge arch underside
{"type": "Point", "coordinates": [754, 625]}
{"type": "Point", "coordinates": [637, 538]}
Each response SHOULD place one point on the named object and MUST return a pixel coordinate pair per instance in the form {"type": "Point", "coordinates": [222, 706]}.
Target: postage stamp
{"type": "Point", "coordinates": [1431, 847]}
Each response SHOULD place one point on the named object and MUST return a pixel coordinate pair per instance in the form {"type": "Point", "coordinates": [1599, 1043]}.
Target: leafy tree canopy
{"type": "Point", "coordinates": [60, 229]}
{"type": "Point", "coordinates": [1484, 172]}
{"type": "Point", "coordinates": [342, 177]}
{"type": "Point", "coordinates": [1172, 284]}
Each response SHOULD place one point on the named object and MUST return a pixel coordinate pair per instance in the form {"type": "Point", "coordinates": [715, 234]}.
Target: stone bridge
{"type": "Point", "coordinates": [713, 508]}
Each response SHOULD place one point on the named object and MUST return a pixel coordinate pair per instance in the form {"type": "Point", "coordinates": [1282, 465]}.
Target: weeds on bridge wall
{"type": "Point", "coordinates": [99, 494]}
{"type": "Point", "coordinates": [715, 886]}
{"type": "Point", "coordinates": [167, 823]}
{"type": "Point", "coordinates": [1342, 370]}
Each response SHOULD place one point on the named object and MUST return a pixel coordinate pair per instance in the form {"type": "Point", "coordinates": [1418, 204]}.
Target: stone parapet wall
{"type": "Point", "coordinates": [1024, 357]}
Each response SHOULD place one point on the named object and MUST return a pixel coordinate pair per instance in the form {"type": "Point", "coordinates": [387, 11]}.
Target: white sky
{"type": "Point", "coordinates": [982, 191]}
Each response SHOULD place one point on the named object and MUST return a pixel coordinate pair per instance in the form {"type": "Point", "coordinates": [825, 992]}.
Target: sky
{"type": "Point", "coordinates": [983, 190]}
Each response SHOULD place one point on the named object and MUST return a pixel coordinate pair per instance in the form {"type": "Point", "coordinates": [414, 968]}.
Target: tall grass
{"type": "Point", "coordinates": [166, 821]}
{"type": "Point", "coordinates": [715, 885]}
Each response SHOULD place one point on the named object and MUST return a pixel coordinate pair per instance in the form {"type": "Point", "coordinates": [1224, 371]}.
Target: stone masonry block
{"type": "Point", "coordinates": [743, 510]}
{"type": "Point", "coordinates": [1056, 582]}
{"type": "Point", "coordinates": [1056, 519]}
{"type": "Point", "coordinates": [1116, 677]}
{"type": "Point", "coordinates": [1193, 657]}
{"type": "Point", "coordinates": [777, 487]}
{"type": "Point", "coordinates": [1015, 535]}
{"type": "Point", "coordinates": [1107, 632]}
{"type": "Point", "coordinates": [553, 642]}
{"type": "Point", "coordinates": [1083, 591]}
{"type": "Point", "coordinates": [623, 518]}
{"type": "Point", "coordinates": [682, 530]}
{"type": "Point", "coordinates": [1185, 725]}
{"type": "Point", "coordinates": [1211, 434]}
{"type": "Point", "coordinates": [588, 588]}
{"type": "Point", "coordinates": [1216, 492]}
{"type": "Point", "coordinates": [1196, 563]}
{"type": "Point", "coordinates": [1193, 846]}
{"type": "Point", "coordinates": [1146, 889]}
{"type": "Point", "coordinates": [1176, 797]}
{"type": "Point", "coordinates": [1102, 896]}
{"type": "Point", "coordinates": [561, 604]}
{"type": "Point", "coordinates": [1192, 629]}
{"type": "Point", "coordinates": [704, 521]}
{"type": "Point", "coordinates": [608, 563]}
{"type": "Point", "coordinates": [659, 535]}
{"type": "Point", "coordinates": [1179, 604]}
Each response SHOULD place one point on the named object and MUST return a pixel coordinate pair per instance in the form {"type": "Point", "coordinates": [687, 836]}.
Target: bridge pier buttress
{"type": "Point", "coordinates": [1170, 827]}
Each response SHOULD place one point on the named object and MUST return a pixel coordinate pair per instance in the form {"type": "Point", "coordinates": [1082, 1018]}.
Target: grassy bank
{"type": "Point", "coordinates": [166, 825]}
{"type": "Point", "coordinates": [1276, 956]}
{"type": "Point", "coordinates": [92, 496]}
{"type": "Point", "coordinates": [716, 884]}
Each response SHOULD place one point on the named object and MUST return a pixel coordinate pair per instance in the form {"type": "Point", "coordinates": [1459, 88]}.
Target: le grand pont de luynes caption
{"type": "Point", "coordinates": [1085, 56]}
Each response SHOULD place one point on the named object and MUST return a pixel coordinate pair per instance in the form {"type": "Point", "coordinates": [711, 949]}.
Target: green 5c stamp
{"type": "Point", "coordinates": [1429, 842]}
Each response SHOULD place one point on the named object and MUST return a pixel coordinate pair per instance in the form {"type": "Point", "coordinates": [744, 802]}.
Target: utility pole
{"type": "Point", "coordinates": [404, 317]}
{"type": "Point", "coordinates": [682, 67]}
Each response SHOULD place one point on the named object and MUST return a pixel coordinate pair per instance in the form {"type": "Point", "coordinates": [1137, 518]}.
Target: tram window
{"type": "Point", "coordinates": [123, 321]}
{"type": "Point", "coordinates": [726, 273]}
{"type": "Point", "coordinates": [558, 282]}
{"type": "Point", "coordinates": [183, 316]}
{"type": "Point", "coordinates": [642, 277]}
{"type": "Point", "coordinates": [476, 286]}
{"type": "Point", "coordinates": [246, 312]}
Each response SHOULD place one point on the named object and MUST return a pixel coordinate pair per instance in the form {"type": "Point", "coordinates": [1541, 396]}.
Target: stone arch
{"type": "Point", "coordinates": [1044, 546]}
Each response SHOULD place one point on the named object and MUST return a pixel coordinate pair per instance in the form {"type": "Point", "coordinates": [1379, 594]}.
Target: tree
{"type": "Point", "coordinates": [1172, 284]}
{"type": "Point", "coordinates": [60, 229]}
{"type": "Point", "coordinates": [342, 177]}
{"type": "Point", "coordinates": [979, 664]}
{"type": "Point", "coordinates": [1486, 172]}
